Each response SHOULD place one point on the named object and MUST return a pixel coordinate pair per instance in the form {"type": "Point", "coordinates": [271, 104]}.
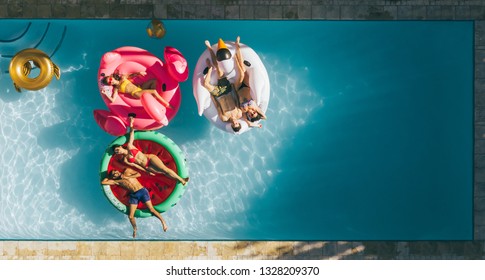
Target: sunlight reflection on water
{"type": "Point", "coordinates": [226, 171]}
{"type": "Point", "coordinates": [323, 166]}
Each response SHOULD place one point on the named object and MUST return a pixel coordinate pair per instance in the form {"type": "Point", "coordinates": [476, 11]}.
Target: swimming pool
{"type": "Point", "coordinates": [369, 134]}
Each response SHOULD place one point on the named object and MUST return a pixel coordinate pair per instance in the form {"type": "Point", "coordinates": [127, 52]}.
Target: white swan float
{"type": "Point", "coordinates": [258, 82]}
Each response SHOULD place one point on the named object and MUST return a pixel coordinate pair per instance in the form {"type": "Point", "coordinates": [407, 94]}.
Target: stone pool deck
{"type": "Point", "coordinates": [271, 10]}
{"type": "Point", "coordinates": [240, 250]}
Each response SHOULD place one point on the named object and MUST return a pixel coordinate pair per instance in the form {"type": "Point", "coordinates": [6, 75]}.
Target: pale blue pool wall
{"type": "Point", "coordinates": [298, 10]}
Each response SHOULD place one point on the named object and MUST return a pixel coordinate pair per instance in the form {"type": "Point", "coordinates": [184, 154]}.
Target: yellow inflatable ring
{"type": "Point", "coordinates": [156, 29]}
{"type": "Point", "coordinates": [20, 67]}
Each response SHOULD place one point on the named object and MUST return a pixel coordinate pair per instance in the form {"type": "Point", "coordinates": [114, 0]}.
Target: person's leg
{"type": "Point", "coordinates": [243, 76]}
{"type": "Point", "coordinates": [131, 217]}
{"type": "Point", "coordinates": [157, 166]}
{"type": "Point", "coordinates": [156, 214]}
{"type": "Point", "coordinates": [150, 84]}
{"type": "Point", "coordinates": [239, 57]}
{"type": "Point", "coordinates": [207, 85]}
{"type": "Point", "coordinates": [213, 58]}
{"type": "Point", "coordinates": [155, 94]}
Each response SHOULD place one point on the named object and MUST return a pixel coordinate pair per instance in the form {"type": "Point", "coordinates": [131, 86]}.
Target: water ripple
{"type": "Point", "coordinates": [227, 171]}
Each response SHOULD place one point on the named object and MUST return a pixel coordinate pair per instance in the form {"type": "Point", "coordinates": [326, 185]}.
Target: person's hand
{"type": "Point", "coordinates": [151, 173]}
{"type": "Point", "coordinates": [142, 73]}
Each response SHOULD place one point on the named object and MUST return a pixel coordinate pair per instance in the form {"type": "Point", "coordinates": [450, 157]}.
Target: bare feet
{"type": "Point", "coordinates": [165, 103]}
{"type": "Point", "coordinates": [185, 181]}
{"type": "Point", "coordinates": [164, 226]}
{"type": "Point", "coordinates": [134, 233]}
{"type": "Point", "coordinates": [162, 101]}
{"type": "Point", "coordinates": [207, 44]}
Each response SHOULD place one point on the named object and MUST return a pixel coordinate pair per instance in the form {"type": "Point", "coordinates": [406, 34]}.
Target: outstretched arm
{"type": "Point", "coordinates": [107, 181]}
{"type": "Point", "coordinates": [213, 58]}
{"type": "Point", "coordinates": [263, 116]}
{"type": "Point", "coordinates": [251, 124]}
{"type": "Point", "coordinates": [113, 95]}
{"type": "Point", "coordinates": [131, 137]}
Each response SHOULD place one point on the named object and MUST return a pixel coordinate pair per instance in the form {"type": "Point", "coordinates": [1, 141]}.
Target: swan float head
{"type": "Point", "coordinates": [224, 57]}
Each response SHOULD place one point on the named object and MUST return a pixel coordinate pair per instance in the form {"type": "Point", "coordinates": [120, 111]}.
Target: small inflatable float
{"type": "Point", "coordinates": [150, 113]}
{"type": "Point", "coordinates": [164, 192]}
{"type": "Point", "coordinates": [258, 82]}
{"type": "Point", "coordinates": [156, 29]}
{"type": "Point", "coordinates": [21, 66]}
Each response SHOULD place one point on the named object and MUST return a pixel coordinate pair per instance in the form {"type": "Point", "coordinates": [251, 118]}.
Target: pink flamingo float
{"type": "Point", "coordinates": [150, 113]}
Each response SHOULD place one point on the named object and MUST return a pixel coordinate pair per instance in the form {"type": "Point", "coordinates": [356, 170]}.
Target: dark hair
{"type": "Point", "coordinates": [111, 173]}
{"type": "Point", "coordinates": [237, 128]}
{"type": "Point", "coordinates": [257, 118]}
{"type": "Point", "coordinates": [104, 80]}
{"type": "Point", "coordinates": [113, 148]}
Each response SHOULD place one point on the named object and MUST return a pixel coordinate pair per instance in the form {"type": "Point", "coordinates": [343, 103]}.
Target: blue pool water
{"type": "Point", "coordinates": [369, 134]}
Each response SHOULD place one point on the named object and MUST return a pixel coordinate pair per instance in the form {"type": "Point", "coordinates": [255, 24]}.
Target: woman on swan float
{"type": "Point", "coordinates": [149, 163]}
{"type": "Point", "coordinates": [124, 84]}
{"type": "Point", "coordinates": [251, 111]}
{"type": "Point", "coordinates": [228, 108]}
